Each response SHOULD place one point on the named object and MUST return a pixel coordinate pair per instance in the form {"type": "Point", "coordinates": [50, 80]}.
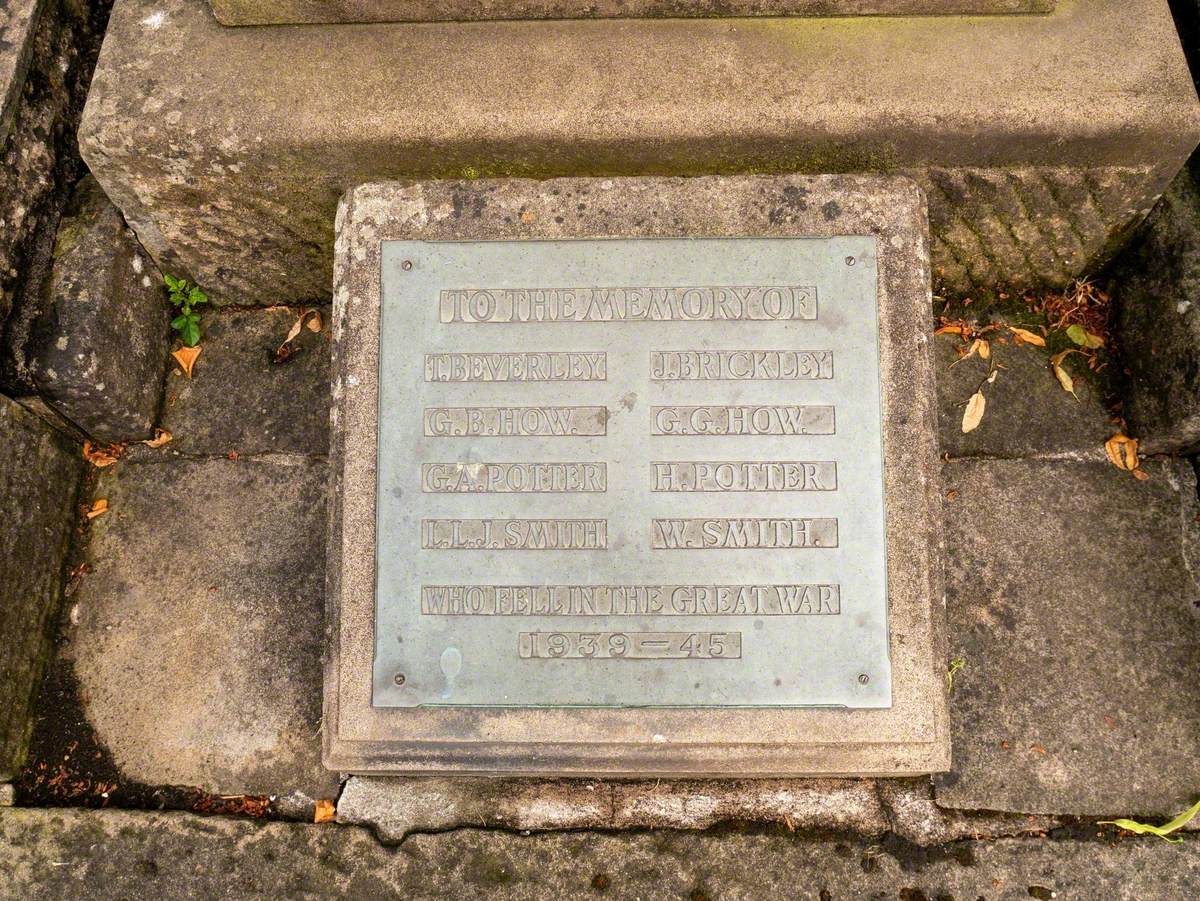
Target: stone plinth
{"type": "Point", "coordinates": [1034, 160]}
{"type": "Point", "coordinates": [373, 723]}
{"type": "Point", "coordinates": [291, 12]}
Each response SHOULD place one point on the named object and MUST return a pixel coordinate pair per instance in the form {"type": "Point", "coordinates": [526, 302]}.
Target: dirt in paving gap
{"type": "Point", "coordinates": [1049, 312]}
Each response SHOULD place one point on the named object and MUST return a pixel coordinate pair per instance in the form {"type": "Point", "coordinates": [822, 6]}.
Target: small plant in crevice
{"type": "Point", "coordinates": [185, 297]}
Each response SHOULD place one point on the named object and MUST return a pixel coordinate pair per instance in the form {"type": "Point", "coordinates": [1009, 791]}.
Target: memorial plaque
{"type": "Point", "coordinates": [640, 502]}
{"type": "Point", "coordinates": [630, 473]}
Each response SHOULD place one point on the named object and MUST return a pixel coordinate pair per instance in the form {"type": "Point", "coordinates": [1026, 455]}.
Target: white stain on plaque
{"type": "Point", "coordinates": [451, 663]}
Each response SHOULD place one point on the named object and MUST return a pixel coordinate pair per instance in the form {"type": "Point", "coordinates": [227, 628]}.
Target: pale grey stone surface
{"type": "Point", "coordinates": [39, 480]}
{"type": "Point", "coordinates": [242, 401]}
{"type": "Point", "coordinates": [1034, 160]}
{"type": "Point", "coordinates": [93, 855]}
{"type": "Point", "coordinates": [278, 12]}
{"type": "Point", "coordinates": [1028, 414]}
{"type": "Point", "coordinates": [1073, 603]}
{"type": "Point", "coordinates": [906, 738]}
{"type": "Point", "coordinates": [197, 638]}
{"type": "Point", "coordinates": [96, 348]}
{"type": "Point", "coordinates": [395, 807]}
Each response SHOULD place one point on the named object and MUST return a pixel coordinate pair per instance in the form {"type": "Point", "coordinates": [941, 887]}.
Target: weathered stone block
{"type": "Point", "coordinates": [241, 400]}
{"type": "Point", "coordinates": [1073, 604]}
{"type": "Point", "coordinates": [1158, 297]}
{"type": "Point", "coordinates": [283, 12]}
{"type": "Point", "coordinates": [38, 483]}
{"type": "Point", "coordinates": [98, 346]}
{"type": "Point", "coordinates": [37, 158]}
{"type": "Point", "coordinates": [18, 18]}
{"type": "Point", "coordinates": [198, 635]}
{"type": "Point", "coordinates": [1035, 161]}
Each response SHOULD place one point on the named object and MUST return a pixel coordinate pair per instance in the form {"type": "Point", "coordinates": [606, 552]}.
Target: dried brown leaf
{"type": "Point", "coordinates": [1027, 336]}
{"type": "Point", "coordinates": [325, 812]}
{"type": "Point", "coordinates": [186, 358]}
{"type": "Point", "coordinates": [974, 411]}
{"type": "Point", "coordinates": [101, 455]}
{"type": "Point", "coordinates": [1064, 379]}
{"type": "Point", "coordinates": [100, 506]}
{"type": "Point", "coordinates": [1122, 452]}
{"type": "Point", "coordinates": [161, 437]}
{"type": "Point", "coordinates": [985, 349]}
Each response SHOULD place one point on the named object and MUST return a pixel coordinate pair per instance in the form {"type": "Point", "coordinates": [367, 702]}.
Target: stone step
{"type": "Point", "coordinates": [1039, 140]}
{"type": "Point", "coordinates": [92, 855]}
{"type": "Point", "coordinates": [284, 12]}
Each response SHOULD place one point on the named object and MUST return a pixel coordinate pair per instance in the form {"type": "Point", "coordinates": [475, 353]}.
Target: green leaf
{"type": "Point", "coordinates": [1084, 338]}
{"type": "Point", "coordinates": [190, 333]}
{"type": "Point", "coordinates": [193, 317]}
{"type": "Point", "coordinates": [1164, 831]}
{"type": "Point", "coordinates": [177, 322]}
{"type": "Point", "coordinates": [173, 283]}
{"type": "Point", "coordinates": [195, 295]}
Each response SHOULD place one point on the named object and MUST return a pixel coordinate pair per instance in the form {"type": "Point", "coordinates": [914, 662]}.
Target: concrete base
{"type": "Point", "coordinates": [1038, 139]}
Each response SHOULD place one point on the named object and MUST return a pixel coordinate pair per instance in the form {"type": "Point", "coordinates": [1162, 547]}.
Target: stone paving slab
{"type": "Point", "coordinates": [240, 400]}
{"type": "Point", "coordinates": [102, 855]}
{"type": "Point", "coordinates": [197, 638]}
{"type": "Point", "coordinates": [1072, 601]}
{"type": "Point", "coordinates": [1027, 413]}
{"type": "Point", "coordinates": [39, 480]}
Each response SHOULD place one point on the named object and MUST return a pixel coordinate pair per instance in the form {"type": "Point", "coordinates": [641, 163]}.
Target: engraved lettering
{"type": "Point", "coordinates": [734, 475]}
{"type": "Point", "coordinates": [490, 422]}
{"type": "Point", "coordinates": [513, 478]}
{"type": "Point", "coordinates": [631, 600]}
{"type": "Point", "coordinates": [630, 645]}
{"type": "Point", "coordinates": [514, 534]}
{"type": "Point", "coordinates": [614, 304]}
{"type": "Point", "coordinates": [734, 365]}
{"type": "Point", "coordinates": [743, 533]}
{"type": "Point", "coordinates": [516, 367]}
{"type": "Point", "coordinates": [743, 420]}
